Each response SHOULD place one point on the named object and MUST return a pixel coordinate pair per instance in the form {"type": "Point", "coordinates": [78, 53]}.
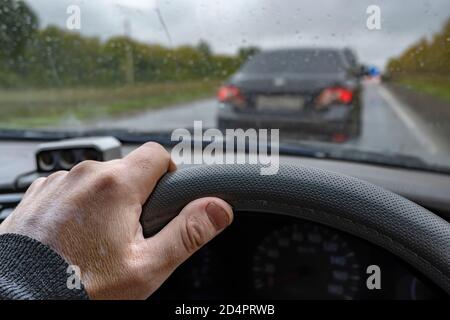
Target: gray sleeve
{"type": "Point", "coordinates": [31, 270]}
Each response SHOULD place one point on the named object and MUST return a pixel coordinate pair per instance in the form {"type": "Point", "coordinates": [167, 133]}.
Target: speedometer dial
{"type": "Point", "coordinates": [305, 261]}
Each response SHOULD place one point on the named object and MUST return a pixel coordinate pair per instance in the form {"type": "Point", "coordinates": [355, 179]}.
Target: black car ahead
{"type": "Point", "coordinates": [313, 91]}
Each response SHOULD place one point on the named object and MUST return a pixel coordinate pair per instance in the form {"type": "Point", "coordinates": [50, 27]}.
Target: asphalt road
{"type": "Point", "coordinates": [179, 116]}
{"type": "Point", "coordinates": [388, 125]}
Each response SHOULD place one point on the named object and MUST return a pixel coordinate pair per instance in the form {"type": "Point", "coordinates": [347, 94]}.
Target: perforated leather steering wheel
{"type": "Point", "coordinates": [409, 231]}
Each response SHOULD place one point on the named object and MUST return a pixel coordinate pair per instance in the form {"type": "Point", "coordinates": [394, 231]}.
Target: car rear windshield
{"type": "Point", "coordinates": [295, 61]}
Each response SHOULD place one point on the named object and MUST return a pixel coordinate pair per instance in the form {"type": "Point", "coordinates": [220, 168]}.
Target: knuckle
{"type": "Point", "coordinates": [194, 235]}
{"type": "Point", "coordinates": [56, 175]}
{"type": "Point", "coordinates": [83, 167]}
{"type": "Point", "coordinates": [157, 148]}
{"type": "Point", "coordinates": [36, 183]}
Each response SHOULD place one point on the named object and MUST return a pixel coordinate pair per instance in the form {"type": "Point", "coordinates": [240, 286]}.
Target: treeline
{"type": "Point", "coordinates": [426, 57]}
{"type": "Point", "coordinates": [52, 57]}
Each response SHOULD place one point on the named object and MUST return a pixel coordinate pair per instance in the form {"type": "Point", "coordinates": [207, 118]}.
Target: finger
{"type": "Point", "coordinates": [145, 166]}
{"type": "Point", "coordinates": [198, 223]}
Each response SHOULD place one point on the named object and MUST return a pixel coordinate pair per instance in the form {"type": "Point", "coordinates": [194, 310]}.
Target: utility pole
{"type": "Point", "coordinates": [163, 24]}
{"type": "Point", "coordinates": [129, 63]}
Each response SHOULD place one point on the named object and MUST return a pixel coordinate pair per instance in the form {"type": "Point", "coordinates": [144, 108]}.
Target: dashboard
{"type": "Point", "coordinates": [262, 256]}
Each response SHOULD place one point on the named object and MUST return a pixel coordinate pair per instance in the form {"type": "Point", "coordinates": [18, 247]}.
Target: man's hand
{"type": "Point", "coordinates": [90, 216]}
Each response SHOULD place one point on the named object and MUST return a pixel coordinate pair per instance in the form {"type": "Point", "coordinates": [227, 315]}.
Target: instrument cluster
{"type": "Point", "coordinates": [267, 256]}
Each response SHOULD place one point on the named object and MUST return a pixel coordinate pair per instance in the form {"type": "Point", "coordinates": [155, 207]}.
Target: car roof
{"type": "Point", "coordinates": [303, 49]}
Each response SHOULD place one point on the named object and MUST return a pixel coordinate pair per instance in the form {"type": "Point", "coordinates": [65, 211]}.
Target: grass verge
{"type": "Point", "coordinates": [60, 107]}
{"type": "Point", "coordinates": [435, 86]}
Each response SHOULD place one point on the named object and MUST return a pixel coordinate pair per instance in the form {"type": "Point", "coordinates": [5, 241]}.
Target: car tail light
{"type": "Point", "coordinates": [334, 95]}
{"type": "Point", "coordinates": [231, 94]}
{"type": "Point", "coordinates": [339, 138]}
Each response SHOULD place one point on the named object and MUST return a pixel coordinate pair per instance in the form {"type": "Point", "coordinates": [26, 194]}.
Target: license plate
{"type": "Point", "coordinates": [280, 103]}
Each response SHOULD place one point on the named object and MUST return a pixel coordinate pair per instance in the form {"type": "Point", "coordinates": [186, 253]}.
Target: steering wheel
{"type": "Point", "coordinates": [388, 220]}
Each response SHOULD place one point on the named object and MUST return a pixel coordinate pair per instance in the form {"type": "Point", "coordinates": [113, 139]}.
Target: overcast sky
{"type": "Point", "coordinates": [230, 24]}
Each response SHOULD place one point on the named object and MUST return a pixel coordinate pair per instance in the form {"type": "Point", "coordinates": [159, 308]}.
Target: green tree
{"type": "Point", "coordinates": [54, 57]}
{"type": "Point", "coordinates": [425, 57]}
{"type": "Point", "coordinates": [17, 24]}
{"type": "Point", "coordinates": [245, 53]}
{"type": "Point", "coordinates": [204, 48]}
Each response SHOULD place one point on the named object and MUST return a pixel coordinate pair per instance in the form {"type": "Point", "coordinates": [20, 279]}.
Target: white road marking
{"type": "Point", "coordinates": [410, 120]}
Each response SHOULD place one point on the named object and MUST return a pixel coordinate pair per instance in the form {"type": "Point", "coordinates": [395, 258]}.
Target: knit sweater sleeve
{"type": "Point", "coordinates": [32, 270]}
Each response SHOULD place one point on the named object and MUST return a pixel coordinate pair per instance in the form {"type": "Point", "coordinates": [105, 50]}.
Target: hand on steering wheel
{"type": "Point", "coordinates": [90, 216]}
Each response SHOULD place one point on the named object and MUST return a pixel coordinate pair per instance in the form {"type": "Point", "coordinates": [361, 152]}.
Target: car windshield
{"type": "Point", "coordinates": [362, 79]}
{"type": "Point", "coordinates": [296, 61]}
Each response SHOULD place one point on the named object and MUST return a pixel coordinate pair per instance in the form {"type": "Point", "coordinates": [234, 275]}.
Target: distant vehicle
{"type": "Point", "coordinates": [305, 90]}
{"type": "Point", "coordinates": [374, 71]}
{"type": "Point", "coordinates": [373, 74]}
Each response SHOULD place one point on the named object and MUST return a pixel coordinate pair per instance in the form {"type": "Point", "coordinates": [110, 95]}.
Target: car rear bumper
{"type": "Point", "coordinates": [337, 119]}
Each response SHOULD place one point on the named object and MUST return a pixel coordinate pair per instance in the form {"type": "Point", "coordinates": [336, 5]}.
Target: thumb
{"type": "Point", "coordinates": [198, 223]}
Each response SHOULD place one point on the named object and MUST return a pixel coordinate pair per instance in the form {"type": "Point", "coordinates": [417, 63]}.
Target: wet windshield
{"type": "Point", "coordinates": [352, 76]}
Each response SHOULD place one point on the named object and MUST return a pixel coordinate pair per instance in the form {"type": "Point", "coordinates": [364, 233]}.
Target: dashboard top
{"type": "Point", "coordinates": [429, 189]}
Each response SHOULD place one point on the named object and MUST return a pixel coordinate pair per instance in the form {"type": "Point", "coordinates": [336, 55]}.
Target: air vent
{"type": "Point", "coordinates": [64, 155]}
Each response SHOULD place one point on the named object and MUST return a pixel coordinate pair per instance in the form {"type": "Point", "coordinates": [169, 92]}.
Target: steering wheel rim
{"type": "Point", "coordinates": [381, 217]}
